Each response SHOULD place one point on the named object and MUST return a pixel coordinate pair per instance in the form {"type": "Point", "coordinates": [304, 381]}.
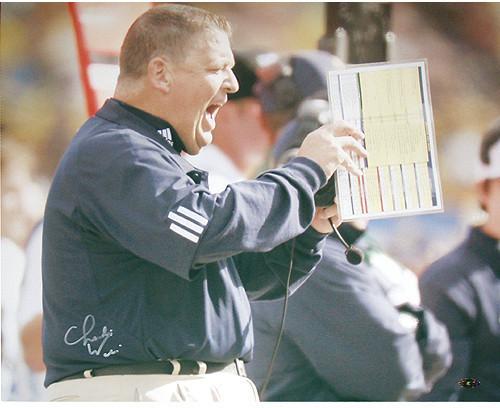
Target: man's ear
{"type": "Point", "coordinates": [159, 74]}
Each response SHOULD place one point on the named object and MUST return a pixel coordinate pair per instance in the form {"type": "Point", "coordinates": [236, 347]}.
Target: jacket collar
{"type": "Point", "coordinates": [115, 111]}
{"type": "Point", "coordinates": [488, 248]}
{"type": "Point", "coordinates": [155, 128]}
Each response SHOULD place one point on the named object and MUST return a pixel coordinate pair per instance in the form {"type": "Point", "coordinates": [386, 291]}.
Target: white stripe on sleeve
{"type": "Point", "coordinates": [193, 215]}
{"type": "Point", "coordinates": [184, 233]}
{"type": "Point", "coordinates": [183, 221]}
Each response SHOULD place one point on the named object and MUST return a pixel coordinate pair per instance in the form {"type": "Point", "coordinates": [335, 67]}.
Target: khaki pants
{"type": "Point", "coordinates": [214, 387]}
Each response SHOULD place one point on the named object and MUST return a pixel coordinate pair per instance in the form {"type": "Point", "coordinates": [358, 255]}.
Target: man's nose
{"type": "Point", "coordinates": [232, 85]}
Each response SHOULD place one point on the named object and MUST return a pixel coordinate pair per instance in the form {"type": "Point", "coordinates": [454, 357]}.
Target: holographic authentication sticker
{"type": "Point", "coordinates": [469, 382]}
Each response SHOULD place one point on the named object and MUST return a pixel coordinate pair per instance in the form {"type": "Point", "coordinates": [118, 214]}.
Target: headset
{"type": "Point", "coordinates": [276, 88]}
{"type": "Point", "coordinates": [311, 114]}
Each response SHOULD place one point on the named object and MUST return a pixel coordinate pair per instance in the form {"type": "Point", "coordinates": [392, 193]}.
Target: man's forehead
{"type": "Point", "coordinates": [215, 41]}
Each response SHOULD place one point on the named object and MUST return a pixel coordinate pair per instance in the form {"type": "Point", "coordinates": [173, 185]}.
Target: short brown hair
{"type": "Point", "coordinates": [165, 30]}
{"type": "Point", "coordinates": [490, 138]}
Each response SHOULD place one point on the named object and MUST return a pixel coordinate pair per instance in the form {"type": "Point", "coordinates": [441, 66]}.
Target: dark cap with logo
{"type": "Point", "coordinates": [299, 76]}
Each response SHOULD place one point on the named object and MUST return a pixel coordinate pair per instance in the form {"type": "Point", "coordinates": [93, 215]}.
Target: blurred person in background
{"type": "Point", "coordinates": [12, 274]}
{"type": "Point", "coordinates": [30, 314]}
{"type": "Point", "coordinates": [23, 196]}
{"type": "Point", "coordinates": [284, 82]}
{"type": "Point", "coordinates": [355, 333]}
{"type": "Point", "coordinates": [463, 290]}
{"type": "Point", "coordinates": [241, 142]}
{"type": "Point", "coordinates": [22, 204]}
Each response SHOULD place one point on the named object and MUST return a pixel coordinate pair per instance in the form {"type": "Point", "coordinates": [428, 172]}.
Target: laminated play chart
{"type": "Point", "coordinates": [390, 103]}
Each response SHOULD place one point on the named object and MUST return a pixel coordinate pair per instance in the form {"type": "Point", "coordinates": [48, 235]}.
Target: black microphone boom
{"type": "Point", "coordinates": [353, 255]}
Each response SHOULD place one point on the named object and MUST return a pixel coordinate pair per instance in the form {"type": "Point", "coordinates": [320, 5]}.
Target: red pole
{"type": "Point", "coordinates": [83, 56]}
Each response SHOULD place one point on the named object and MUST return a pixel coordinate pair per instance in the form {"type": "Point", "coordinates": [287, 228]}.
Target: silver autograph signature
{"type": "Point", "coordinates": [93, 343]}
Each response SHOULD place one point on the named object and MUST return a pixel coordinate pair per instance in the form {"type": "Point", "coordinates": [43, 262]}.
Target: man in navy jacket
{"type": "Point", "coordinates": [146, 275]}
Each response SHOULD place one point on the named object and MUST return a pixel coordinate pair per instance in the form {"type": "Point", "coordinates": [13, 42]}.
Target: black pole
{"type": "Point", "coordinates": [358, 32]}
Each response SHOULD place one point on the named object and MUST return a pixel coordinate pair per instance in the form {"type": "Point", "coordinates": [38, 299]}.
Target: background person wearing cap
{"type": "Point", "coordinates": [463, 290]}
{"type": "Point", "coordinates": [354, 332]}
{"type": "Point", "coordinates": [285, 82]}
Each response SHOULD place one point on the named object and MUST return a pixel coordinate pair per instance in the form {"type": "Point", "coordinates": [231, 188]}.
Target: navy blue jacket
{"type": "Point", "coordinates": [141, 263]}
{"type": "Point", "coordinates": [463, 290]}
{"type": "Point", "coordinates": [344, 339]}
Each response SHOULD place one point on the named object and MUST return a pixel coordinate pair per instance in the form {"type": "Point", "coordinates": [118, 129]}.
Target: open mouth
{"type": "Point", "coordinates": [211, 114]}
{"type": "Point", "coordinates": [212, 111]}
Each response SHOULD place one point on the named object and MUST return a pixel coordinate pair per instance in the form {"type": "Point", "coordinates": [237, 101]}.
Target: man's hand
{"type": "Point", "coordinates": [329, 152]}
{"type": "Point", "coordinates": [320, 221]}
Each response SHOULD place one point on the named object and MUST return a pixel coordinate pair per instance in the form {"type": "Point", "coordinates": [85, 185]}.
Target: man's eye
{"type": "Point", "coordinates": [219, 69]}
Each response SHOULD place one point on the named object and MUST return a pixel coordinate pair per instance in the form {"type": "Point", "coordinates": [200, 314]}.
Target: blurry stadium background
{"type": "Point", "coordinates": [43, 99]}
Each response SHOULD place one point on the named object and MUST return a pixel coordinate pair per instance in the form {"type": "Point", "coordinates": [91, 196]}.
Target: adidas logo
{"type": "Point", "coordinates": [167, 135]}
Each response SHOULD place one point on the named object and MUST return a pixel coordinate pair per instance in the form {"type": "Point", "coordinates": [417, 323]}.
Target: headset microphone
{"type": "Point", "coordinates": [325, 197]}
{"type": "Point", "coordinates": [353, 255]}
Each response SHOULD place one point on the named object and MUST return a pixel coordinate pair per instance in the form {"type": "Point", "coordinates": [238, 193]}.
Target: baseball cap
{"type": "Point", "coordinates": [299, 76]}
{"type": "Point", "coordinates": [312, 113]}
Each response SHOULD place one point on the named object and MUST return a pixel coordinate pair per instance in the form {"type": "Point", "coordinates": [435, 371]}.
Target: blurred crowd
{"type": "Point", "coordinates": [43, 105]}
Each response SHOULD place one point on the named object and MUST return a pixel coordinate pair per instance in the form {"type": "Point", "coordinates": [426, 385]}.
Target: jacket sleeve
{"type": "Point", "coordinates": [265, 275]}
{"type": "Point", "coordinates": [453, 307]}
{"type": "Point", "coordinates": [435, 347]}
{"type": "Point", "coordinates": [134, 193]}
{"type": "Point", "coordinates": [350, 333]}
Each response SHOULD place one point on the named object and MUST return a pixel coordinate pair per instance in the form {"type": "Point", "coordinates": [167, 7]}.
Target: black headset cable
{"type": "Point", "coordinates": [282, 325]}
